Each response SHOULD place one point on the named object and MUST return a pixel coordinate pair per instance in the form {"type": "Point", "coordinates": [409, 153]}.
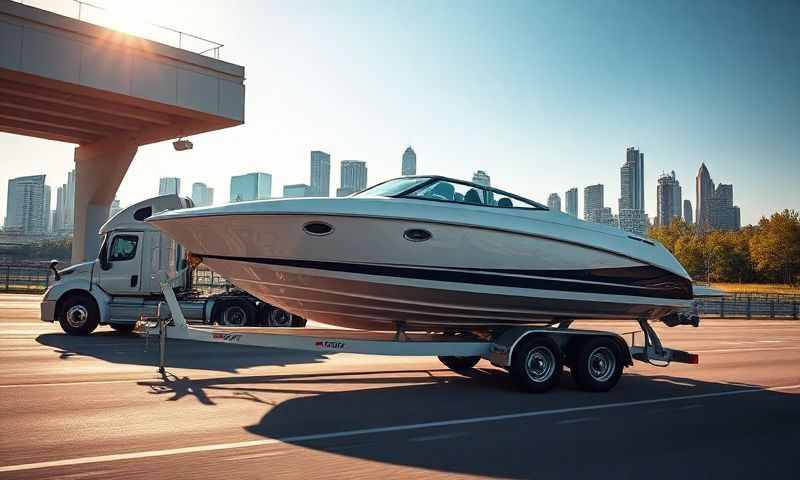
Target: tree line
{"type": "Point", "coordinates": [767, 252]}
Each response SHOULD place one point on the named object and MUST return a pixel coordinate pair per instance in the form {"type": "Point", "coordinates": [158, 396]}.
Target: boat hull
{"type": "Point", "coordinates": [367, 274]}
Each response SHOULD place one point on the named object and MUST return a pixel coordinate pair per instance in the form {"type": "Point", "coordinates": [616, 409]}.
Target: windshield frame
{"type": "Point", "coordinates": [436, 178]}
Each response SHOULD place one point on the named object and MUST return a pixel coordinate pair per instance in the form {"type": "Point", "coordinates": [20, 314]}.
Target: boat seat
{"type": "Point", "coordinates": [472, 196]}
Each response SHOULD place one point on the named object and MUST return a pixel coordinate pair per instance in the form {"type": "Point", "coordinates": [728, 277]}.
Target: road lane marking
{"type": "Point", "coordinates": [371, 431]}
{"type": "Point", "coordinates": [576, 420]}
{"type": "Point", "coordinates": [746, 349]}
{"type": "Point", "coordinates": [443, 436]}
{"type": "Point", "coordinates": [258, 455]}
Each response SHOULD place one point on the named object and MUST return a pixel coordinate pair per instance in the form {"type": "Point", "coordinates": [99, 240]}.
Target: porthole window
{"type": "Point", "coordinates": [417, 235]}
{"type": "Point", "coordinates": [317, 228]}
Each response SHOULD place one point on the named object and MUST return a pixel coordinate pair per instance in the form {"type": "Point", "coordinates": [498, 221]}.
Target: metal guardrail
{"type": "Point", "coordinates": [751, 305]}
{"type": "Point", "coordinates": [121, 21]}
{"type": "Point", "coordinates": [23, 278]}
{"type": "Point", "coordinates": [28, 278]}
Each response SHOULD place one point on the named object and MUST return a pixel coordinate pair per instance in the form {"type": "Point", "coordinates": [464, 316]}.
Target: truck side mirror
{"type": "Point", "coordinates": [104, 263]}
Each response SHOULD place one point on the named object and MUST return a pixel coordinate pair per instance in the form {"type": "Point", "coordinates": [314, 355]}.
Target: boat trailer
{"type": "Point", "coordinates": [534, 356]}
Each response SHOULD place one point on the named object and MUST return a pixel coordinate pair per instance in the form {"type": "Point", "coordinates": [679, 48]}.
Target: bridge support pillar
{"type": "Point", "coordinates": [99, 170]}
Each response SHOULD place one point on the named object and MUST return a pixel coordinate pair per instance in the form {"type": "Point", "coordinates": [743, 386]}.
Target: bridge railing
{"type": "Point", "coordinates": [128, 22]}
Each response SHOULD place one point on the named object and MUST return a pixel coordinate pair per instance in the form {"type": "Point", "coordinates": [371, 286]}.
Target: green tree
{"type": "Point", "coordinates": [775, 248]}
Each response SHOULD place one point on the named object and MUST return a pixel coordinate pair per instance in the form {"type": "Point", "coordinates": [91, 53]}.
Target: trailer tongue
{"type": "Point", "coordinates": [534, 356]}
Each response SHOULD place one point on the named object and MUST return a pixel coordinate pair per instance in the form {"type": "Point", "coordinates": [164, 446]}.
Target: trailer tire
{"type": "Point", "coordinates": [459, 364]}
{"type": "Point", "coordinates": [79, 315]}
{"type": "Point", "coordinates": [280, 318]}
{"type": "Point", "coordinates": [536, 364]}
{"type": "Point", "coordinates": [234, 313]}
{"type": "Point", "coordinates": [597, 364]}
{"type": "Point", "coordinates": [123, 327]}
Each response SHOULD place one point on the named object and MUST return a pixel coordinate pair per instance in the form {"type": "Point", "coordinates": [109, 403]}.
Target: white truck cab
{"type": "Point", "coordinates": [123, 283]}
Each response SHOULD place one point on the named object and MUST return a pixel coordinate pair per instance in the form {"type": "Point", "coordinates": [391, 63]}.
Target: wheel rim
{"type": "Point", "coordinates": [602, 364]}
{"type": "Point", "coordinates": [77, 315]}
{"type": "Point", "coordinates": [234, 317]}
{"type": "Point", "coordinates": [280, 318]}
{"type": "Point", "coordinates": [540, 363]}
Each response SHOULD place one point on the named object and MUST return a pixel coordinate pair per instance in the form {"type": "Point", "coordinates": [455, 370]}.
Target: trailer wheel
{"type": "Point", "coordinates": [459, 364]}
{"type": "Point", "coordinates": [536, 364]}
{"type": "Point", "coordinates": [123, 327]}
{"type": "Point", "coordinates": [79, 315]}
{"type": "Point", "coordinates": [235, 313]}
{"type": "Point", "coordinates": [280, 318]}
{"type": "Point", "coordinates": [597, 365]}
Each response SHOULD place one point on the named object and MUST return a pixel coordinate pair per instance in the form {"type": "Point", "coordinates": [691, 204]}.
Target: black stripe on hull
{"type": "Point", "coordinates": [645, 281]}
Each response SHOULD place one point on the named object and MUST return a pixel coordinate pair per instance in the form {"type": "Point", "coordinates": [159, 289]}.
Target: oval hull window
{"type": "Point", "coordinates": [417, 235]}
{"type": "Point", "coordinates": [317, 229]}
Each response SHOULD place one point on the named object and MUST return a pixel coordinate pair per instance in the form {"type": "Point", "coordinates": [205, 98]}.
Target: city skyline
{"type": "Point", "coordinates": [685, 93]}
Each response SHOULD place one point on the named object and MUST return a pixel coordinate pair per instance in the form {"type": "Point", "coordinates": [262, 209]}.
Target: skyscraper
{"type": "Point", "coordinates": [169, 186]}
{"type": "Point", "coordinates": [409, 162]}
{"type": "Point", "coordinates": [724, 215]}
{"type": "Point", "coordinates": [251, 186]}
{"type": "Point", "coordinates": [715, 209]}
{"type": "Point", "coordinates": [571, 198]}
{"type": "Point", "coordinates": [633, 220]}
{"type": "Point", "coordinates": [28, 205]}
{"type": "Point", "coordinates": [632, 180]}
{"type": "Point", "coordinates": [482, 178]}
{"type": "Point", "coordinates": [604, 216]}
{"type": "Point", "coordinates": [320, 174]}
{"type": "Point", "coordinates": [296, 190]}
{"type": "Point", "coordinates": [202, 195]}
{"type": "Point", "coordinates": [64, 217]}
{"type": "Point", "coordinates": [115, 208]}
{"type": "Point", "coordinates": [687, 211]}
{"type": "Point", "coordinates": [668, 199]}
{"type": "Point", "coordinates": [704, 192]}
{"type": "Point", "coordinates": [554, 202]}
{"type": "Point", "coordinates": [353, 177]}
{"type": "Point", "coordinates": [592, 200]}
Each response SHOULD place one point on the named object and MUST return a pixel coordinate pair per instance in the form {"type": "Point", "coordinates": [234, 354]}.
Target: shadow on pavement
{"type": "Point", "coordinates": [130, 349]}
{"type": "Point", "coordinates": [707, 436]}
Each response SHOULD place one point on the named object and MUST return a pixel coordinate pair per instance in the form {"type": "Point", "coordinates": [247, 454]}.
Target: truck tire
{"type": "Point", "coordinates": [536, 364]}
{"type": "Point", "coordinates": [459, 364]}
{"type": "Point", "coordinates": [235, 313]}
{"type": "Point", "coordinates": [79, 315]}
{"type": "Point", "coordinates": [123, 327]}
{"type": "Point", "coordinates": [281, 318]}
{"type": "Point", "coordinates": [597, 364]}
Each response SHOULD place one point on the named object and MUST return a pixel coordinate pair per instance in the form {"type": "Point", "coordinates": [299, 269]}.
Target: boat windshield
{"type": "Point", "coordinates": [447, 190]}
{"type": "Point", "coordinates": [393, 187]}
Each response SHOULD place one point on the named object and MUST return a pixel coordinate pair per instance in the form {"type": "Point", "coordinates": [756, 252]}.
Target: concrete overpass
{"type": "Point", "coordinates": [108, 92]}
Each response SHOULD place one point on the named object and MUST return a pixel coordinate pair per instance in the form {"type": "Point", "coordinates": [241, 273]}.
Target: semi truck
{"type": "Point", "coordinates": [122, 285]}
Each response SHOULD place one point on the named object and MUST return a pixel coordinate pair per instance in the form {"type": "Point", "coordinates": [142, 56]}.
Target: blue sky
{"type": "Point", "coordinates": [543, 95]}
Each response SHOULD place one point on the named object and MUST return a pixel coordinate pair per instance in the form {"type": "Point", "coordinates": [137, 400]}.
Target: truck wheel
{"type": "Point", "coordinates": [280, 318]}
{"type": "Point", "coordinates": [459, 364]}
{"type": "Point", "coordinates": [597, 365]}
{"type": "Point", "coordinates": [235, 313]}
{"type": "Point", "coordinates": [123, 327]}
{"type": "Point", "coordinates": [536, 364]}
{"type": "Point", "coordinates": [79, 315]}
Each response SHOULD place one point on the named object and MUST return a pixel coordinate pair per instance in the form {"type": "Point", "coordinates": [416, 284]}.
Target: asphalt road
{"type": "Point", "coordinates": [94, 407]}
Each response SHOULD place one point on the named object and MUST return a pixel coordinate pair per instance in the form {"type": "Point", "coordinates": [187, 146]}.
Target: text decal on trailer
{"type": "Point", "coordinates": [328, 345]}
{"type": "Point", "coordinates": [227, 337]}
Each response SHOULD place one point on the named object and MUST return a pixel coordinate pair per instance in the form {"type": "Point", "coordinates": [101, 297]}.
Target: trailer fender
{"type": "Point", "coordinates": [502, 348]}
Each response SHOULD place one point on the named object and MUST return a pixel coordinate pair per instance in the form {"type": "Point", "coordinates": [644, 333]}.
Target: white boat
{"type": "Point", "coordinates": [431, 253]}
